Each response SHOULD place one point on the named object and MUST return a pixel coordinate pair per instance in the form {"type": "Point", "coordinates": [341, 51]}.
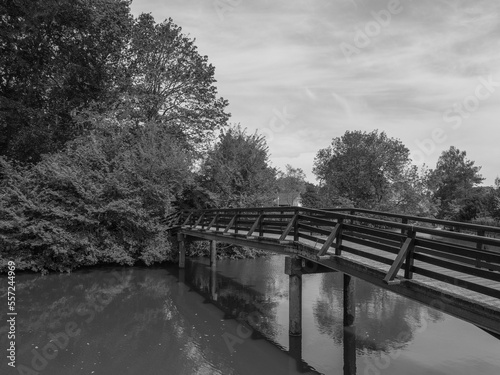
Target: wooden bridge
{"type": "Point", "coordinates": [451, 266]}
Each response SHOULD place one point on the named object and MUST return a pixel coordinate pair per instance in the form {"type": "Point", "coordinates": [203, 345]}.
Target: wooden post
{"type": "Point", "coordinates": [182, 250]}
{"type": "Point", "coordinates": [349, 307]}
{"type": "Point", "coordinates": [479, 246]}
{"type": "Point", "coordinates": [404, 220]}
{"type": "Point", "coordinates": [338, 243]}
{"type": "Point", "coordinates": [213, 253]}
{"type": "Point", "coordinates": [292, 269]}
{"type": "Point", "coordinates": [261, 224]}
{"type": "Point", "coordinates": [296, 226]}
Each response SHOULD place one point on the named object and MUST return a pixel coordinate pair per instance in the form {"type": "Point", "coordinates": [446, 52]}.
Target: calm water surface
{"type": "Point", "coordinates": [230, 321]}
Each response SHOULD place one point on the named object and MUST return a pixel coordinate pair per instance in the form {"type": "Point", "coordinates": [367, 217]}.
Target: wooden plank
{"type": "Point", "coordinates": [383, 234]}
{"type": "Point", "coordinates": [400, 258]}
{"type": "Point", "coordinates": [458, 282]}
{"type": "Point", "coordinates": [231, 222]}
{"type": "Point", "coordinates": [311, 238]}
{"type": "Point", "coordinates": [310, 228]}
{"type": "Point", "coordinates": [375, 245]}
{"type": "Point", "coordinates": [289, 227]}
{"type": "Point", "coordinates": [254, 225]}
{"type": "Point", "coordinates": [365, 255]}
{"type": "Point", "coordinates": [377, 239]}
{"type": "Point", "coordinates": [471, 252]}
{"type": "Point", "coordinates": [317, 221]}
{"type": "Point", "coordinates": [329, 240]}
{"type": "Point", "coordinates": [216, 217]}
{"type": "Point", "coordinates": [199, 219]}
{"type": "Point", "coordinates": [187, 219]}
{"type": "Point", "coordinates": [478, 272]}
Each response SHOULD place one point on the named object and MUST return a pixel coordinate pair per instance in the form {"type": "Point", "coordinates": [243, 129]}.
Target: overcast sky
{"type": "Point", "coordinates": [303, 72]}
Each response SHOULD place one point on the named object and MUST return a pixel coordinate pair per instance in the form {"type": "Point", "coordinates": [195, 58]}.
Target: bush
{"type": "Point", "coordinates": [202, 249]}
{"type": "Point", "coordinates": [99, 201]}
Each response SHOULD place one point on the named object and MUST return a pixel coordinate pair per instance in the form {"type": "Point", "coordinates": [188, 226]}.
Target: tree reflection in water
{"type": "Point", "coordinates": [384, 321]}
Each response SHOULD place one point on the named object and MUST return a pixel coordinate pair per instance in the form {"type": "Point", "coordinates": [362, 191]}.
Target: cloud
{"type": "Point", "coordinates": [274, 54]}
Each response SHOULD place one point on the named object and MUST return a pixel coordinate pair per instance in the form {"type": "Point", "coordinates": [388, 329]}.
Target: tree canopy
{"type": "Point", "coordinates": [56, 56]}
{"type": "Point", "coordinates": [236, 173]}
{"type": "Point", "coordinates": [452, 182]}
{"type": "Point", "coordinates": [362, 167]}
{"type": "Point", "coordinates": [63, 61]}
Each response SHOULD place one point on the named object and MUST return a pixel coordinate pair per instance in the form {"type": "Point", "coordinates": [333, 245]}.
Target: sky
{"type": "Point", "coordinates": [302, 73]}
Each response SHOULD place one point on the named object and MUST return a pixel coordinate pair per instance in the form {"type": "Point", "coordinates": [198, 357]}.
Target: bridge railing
{"type": "Point", "coordinates": [471, 261]}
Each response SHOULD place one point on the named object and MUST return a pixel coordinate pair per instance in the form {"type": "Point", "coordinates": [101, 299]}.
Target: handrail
{"type": "Point", "coordinates": [448, 223]}
{"type": "Point", "coordinates": [413, 248]}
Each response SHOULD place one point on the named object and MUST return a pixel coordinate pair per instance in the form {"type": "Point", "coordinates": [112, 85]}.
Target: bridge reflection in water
{"type": "Point", "coordinates": [455, 271]}
{"type": "Point", "coordinates": [385, 323]}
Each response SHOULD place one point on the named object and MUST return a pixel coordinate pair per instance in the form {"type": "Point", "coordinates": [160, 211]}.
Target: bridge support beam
{"type": "Point", "coordinates": [213, 253]}
{"type": "Point", "coordinates": [181, 239]}
{"type": "Point", "coordinates": [293, 270]}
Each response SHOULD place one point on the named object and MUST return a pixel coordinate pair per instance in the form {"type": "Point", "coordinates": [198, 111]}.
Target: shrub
{"type": "Point", "coordinates": [101, 200]}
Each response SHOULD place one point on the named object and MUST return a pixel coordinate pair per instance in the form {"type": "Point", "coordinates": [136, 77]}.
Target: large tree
{"type": "Point", "coordinates": [172, 83]}
{"type": "Point", "coordinates": [362, 167]}
{"type": "Point", "coordinates": [56, 57]}
{"type": "Point", "coordinates": [237, 172]}
{"type": "Point", "coordinates": [452, 182]}
{"type": "Point", "coordinates": [64, 61]}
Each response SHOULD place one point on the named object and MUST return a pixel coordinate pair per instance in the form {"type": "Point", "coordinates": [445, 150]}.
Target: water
{"type": "Point", "coordinates": [232, 321]}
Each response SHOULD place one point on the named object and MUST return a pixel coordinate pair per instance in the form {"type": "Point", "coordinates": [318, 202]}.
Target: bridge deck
{"type": "Point", "coordinates": [461, 277]}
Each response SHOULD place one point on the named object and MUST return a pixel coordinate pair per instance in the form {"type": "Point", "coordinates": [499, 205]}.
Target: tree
{"type": "Point", "coordinates": [293, 180]}
{"type": "Point", "coordinates": [56, 56]}
{"type": "Point", "coordinates": [236, 173]}
{"type": "Point", "coordinates": [410, 193]}
{"type": "Point", "coordinates": [311, 197]}
{"type": "Point", "coordinates": [362, 167]}
{"type": "Point", "coordinates": [452, 182]}
{"type": "Point", "coordinates": [63, 61]}
{"type": "Point", "coordinates": [172, 83]}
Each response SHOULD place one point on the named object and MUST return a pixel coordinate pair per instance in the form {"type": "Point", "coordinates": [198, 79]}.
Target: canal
{"type": "Point", "coordinates": [234, 320]}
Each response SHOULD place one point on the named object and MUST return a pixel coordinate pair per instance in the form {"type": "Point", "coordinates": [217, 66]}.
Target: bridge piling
{"type": "Point", "coordinates": [293, 270]}
{"type": "Point", "coordinates": [213, 253]}
{"type": "Point", "coordinates": [181, 239]}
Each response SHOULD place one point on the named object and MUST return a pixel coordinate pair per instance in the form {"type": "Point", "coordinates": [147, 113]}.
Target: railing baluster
{"type": "Point", "coordinates": [296, 226]}
{"type": "Point", "coordinates": [329, 241]}
{"type": "Point", "coordinates": [400, 258]}
{"type": "Point", "coordinates": [338, 244]}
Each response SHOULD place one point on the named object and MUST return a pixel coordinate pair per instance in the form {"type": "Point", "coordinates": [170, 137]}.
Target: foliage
{"type": "Point", "coordinates": [370, 170]}
{"type": "Point", "coordinates": [101, 200]}
{"type": "Point", "coordinates": [236, 173]}
{"type": "Point", "coordinates": [224, 251]}
{"type": "Point", "coordinates": [311, 197]}
{"type": "Point", "coordinates": [292, 180]}
{"type": "Point", "coordinates": [172, 83]}
{"type": "Point", "coordinates": [63, 61]}
{"type": "Point", "coordinates": [452, 183]}
{"type": "Point", "coordinates": [56, 56]}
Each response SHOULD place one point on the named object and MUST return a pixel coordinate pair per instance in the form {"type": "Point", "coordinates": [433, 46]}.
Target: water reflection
{"type": "Point", "coordinates": [384, 321]}
{"type": "Point", "coordinates": [232, 320]}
